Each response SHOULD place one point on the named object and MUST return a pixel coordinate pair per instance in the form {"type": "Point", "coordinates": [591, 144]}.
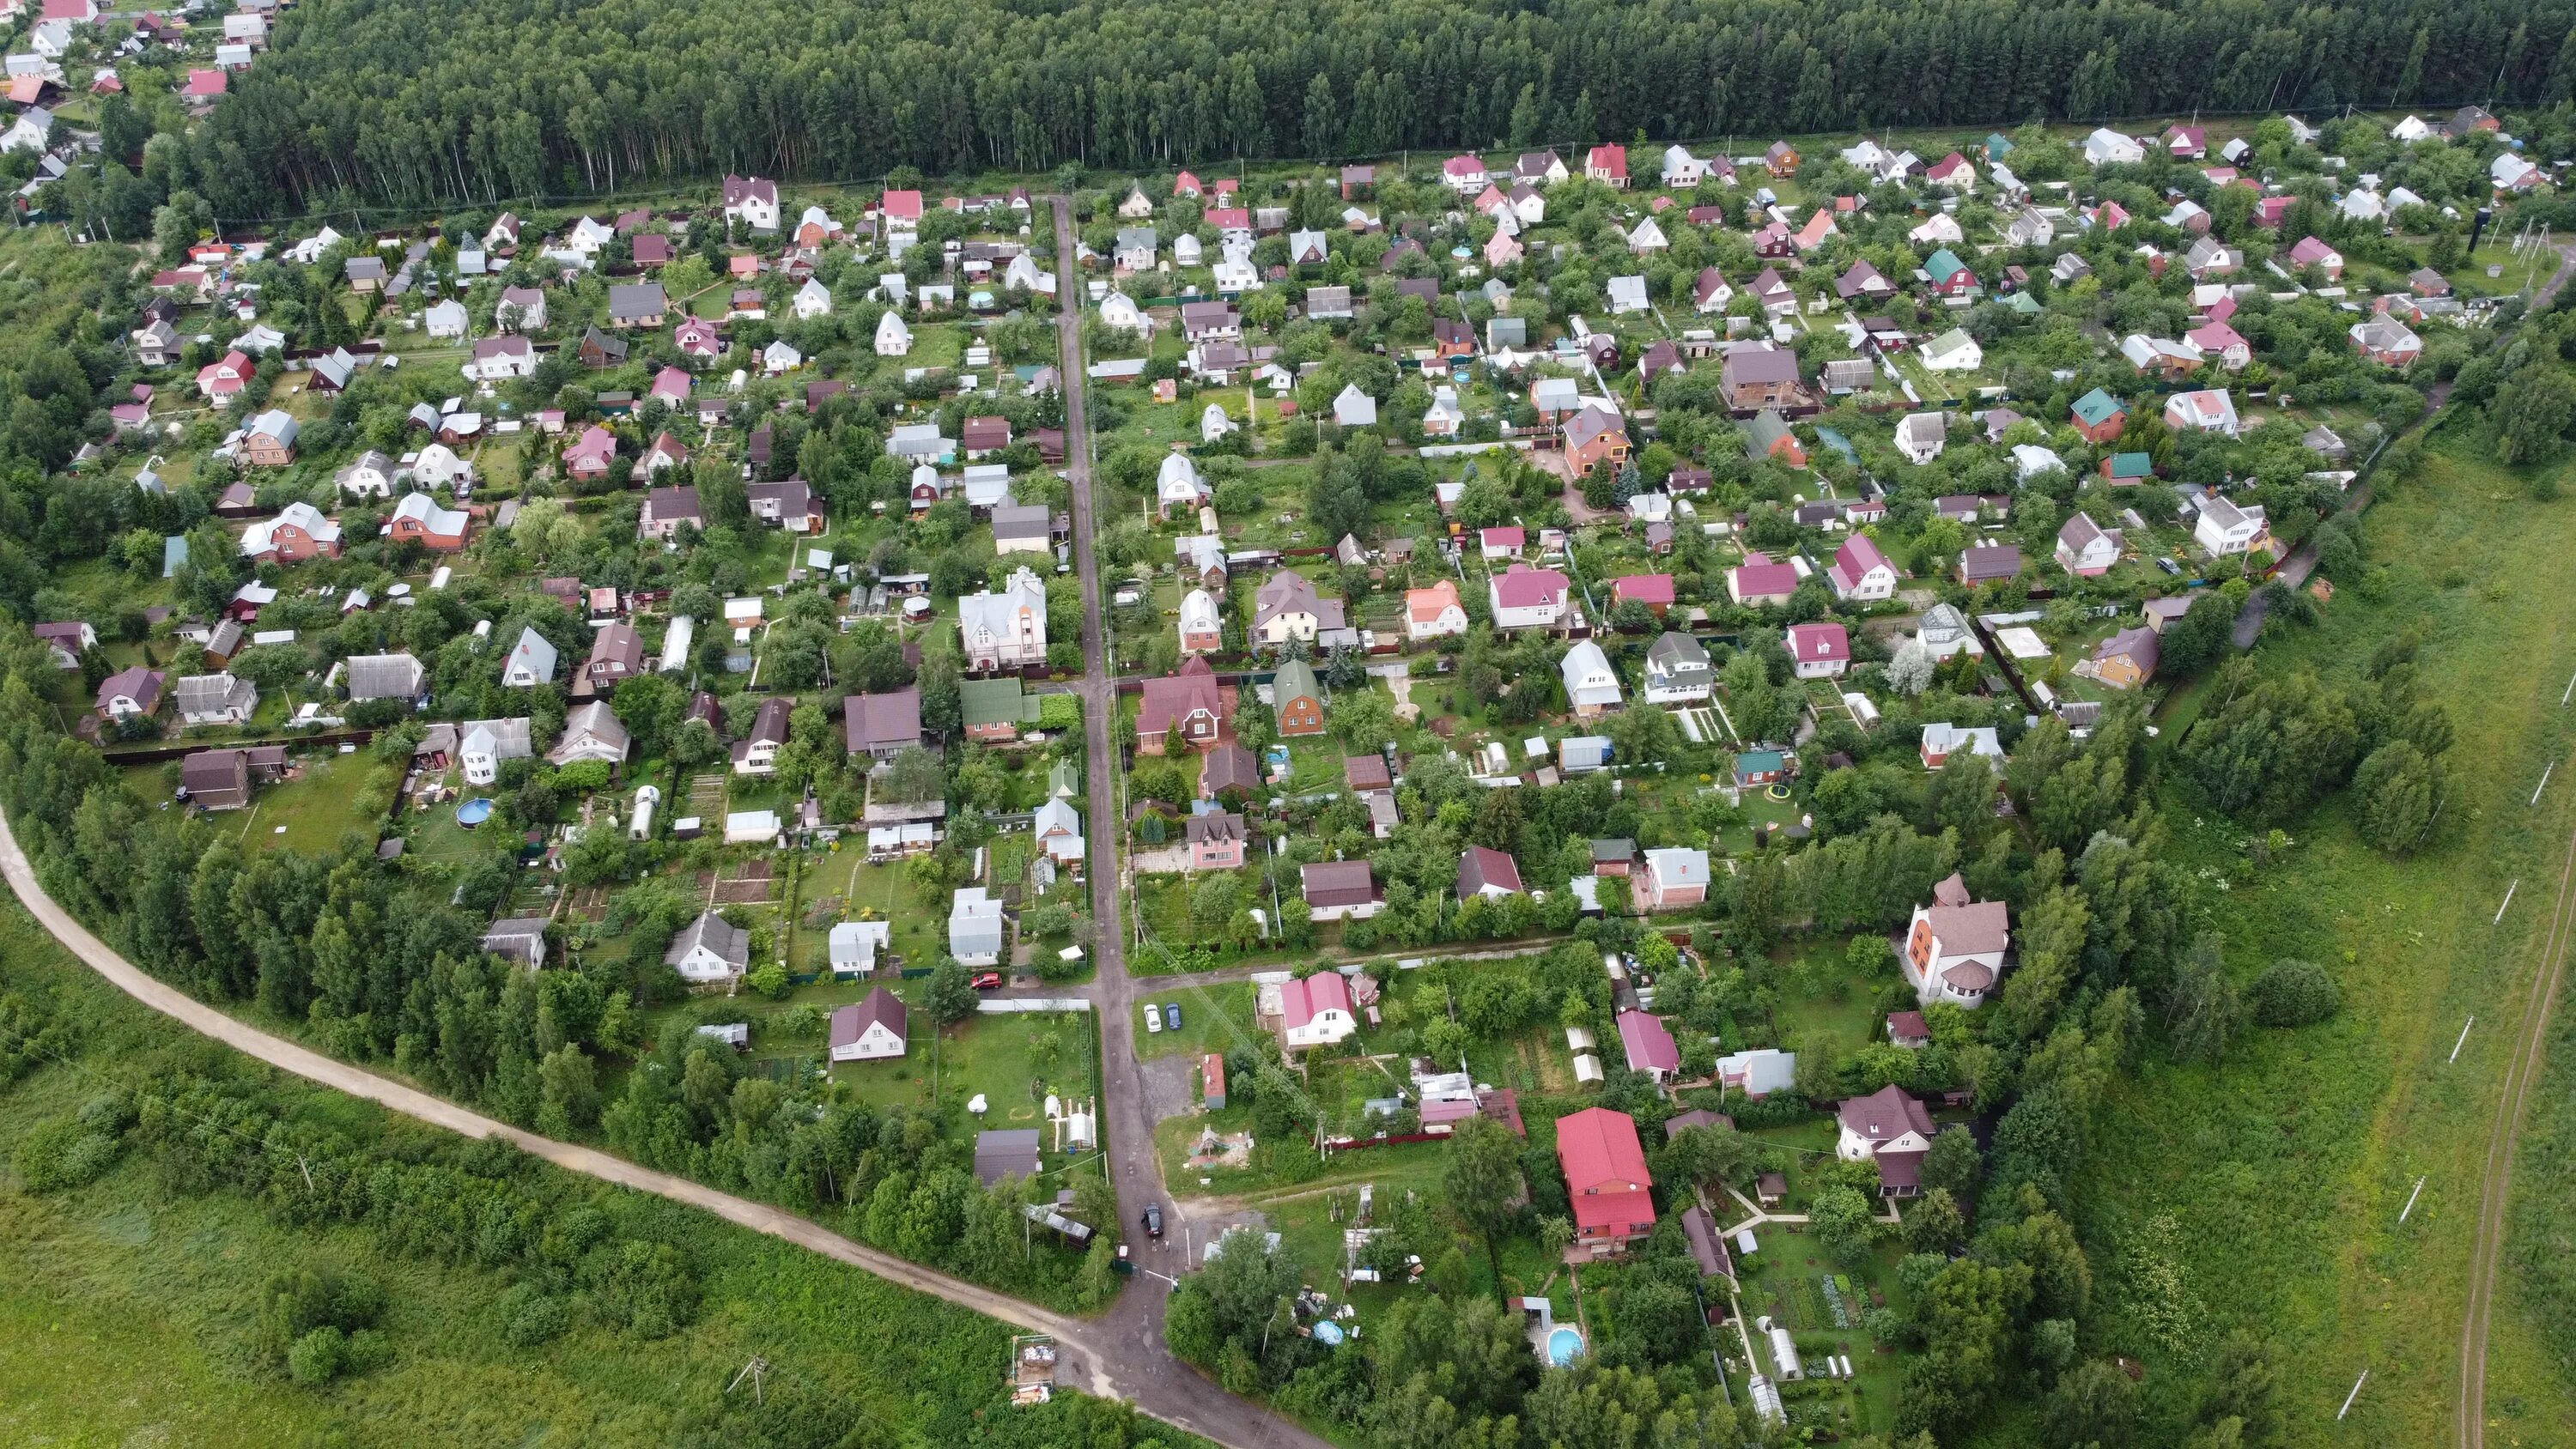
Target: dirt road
{"type": "Point", "coordinates": [2495, 1190]}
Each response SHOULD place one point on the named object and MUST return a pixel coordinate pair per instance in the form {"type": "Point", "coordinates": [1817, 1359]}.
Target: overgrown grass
{"type": "Point", "coordinates": [2263, 1194]}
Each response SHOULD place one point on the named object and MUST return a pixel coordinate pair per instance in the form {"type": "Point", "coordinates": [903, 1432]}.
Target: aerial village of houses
{"type": "Point", "coordinates": [1489, 547]}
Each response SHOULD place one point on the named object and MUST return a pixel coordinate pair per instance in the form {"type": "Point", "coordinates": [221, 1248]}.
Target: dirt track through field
{"type": "Point", "coordinates": [2496, 1189]}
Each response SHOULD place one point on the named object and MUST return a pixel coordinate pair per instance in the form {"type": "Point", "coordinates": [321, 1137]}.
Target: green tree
{"type": "Point", "coordinates": [1481, 1175]}
{"type": "Point", "coordinates": [1841, 1219]}
{"type": "Point", "coordinates": [2400, 792]}
{"type": "Point", "coordinates": [951, 997]}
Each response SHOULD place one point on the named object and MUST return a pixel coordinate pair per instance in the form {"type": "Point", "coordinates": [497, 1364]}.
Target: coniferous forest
{"type": "Point", "coordinates": [432, 101]}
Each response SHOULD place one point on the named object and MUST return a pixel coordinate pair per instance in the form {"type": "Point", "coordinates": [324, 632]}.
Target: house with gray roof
{"type": "Point", "coordinates": [385, 676]}
{"type": "Point", "coordinates": [710, 948]}
{"type": "Point", "coordinates": [531, 662]}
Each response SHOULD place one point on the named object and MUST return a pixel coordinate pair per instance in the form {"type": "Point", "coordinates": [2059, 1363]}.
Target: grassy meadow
{"type": "Point", "coordinates": [2263, 1194]}
{"type": "Point", "coordinates": [154, 1295]}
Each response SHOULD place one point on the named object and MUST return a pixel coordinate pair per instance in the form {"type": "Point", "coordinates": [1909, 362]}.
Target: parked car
{"type": "Point", "coordinates": [1153, 1018]}
{"type": "Point", "coordinates": [1153, 1220]}
{"type": "Point", "coordinates": [1172, 1016]}
{"type": "Point", "coordinates": [988, 981]}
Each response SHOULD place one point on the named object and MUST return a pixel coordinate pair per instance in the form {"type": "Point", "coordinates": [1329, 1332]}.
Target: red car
{"type": "Point", "coordinates": [988, 981]}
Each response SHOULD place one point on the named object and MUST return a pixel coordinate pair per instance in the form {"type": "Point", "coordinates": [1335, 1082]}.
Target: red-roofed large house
{"type": "Point", "coordinates": [1527, 598]}
{"type": "Point", "coordinates": [1607, 165]}
{"type": "Point", "coordinates": [1758, 581]}
{"type": "Point", "coordinates": [1316, 1011]}
{"type": "Point", "coordinates": [1861, 573]}
{"type": "Point", "coordinates": [1605, 1176]}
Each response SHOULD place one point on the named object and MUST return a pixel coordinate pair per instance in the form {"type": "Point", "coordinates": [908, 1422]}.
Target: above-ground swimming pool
{"type": "Point", "coordinates": [473, 813]}
{"type": "Point", "coordinates": [1564, 1345]}
{"type": "Point", "coordinates": [1328, 1333]}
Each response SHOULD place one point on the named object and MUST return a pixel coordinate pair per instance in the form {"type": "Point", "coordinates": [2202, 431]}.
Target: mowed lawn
{"type": "Point", "coordinates": [2264, 1194]}
{"type": "Point", "coordinates": [316, 810]}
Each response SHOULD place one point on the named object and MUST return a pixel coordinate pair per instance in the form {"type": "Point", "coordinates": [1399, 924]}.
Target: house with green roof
{"type": "Point", "coordinates": [2100, 417]}
{"type": "Point", "coordinates": [1297, 699]}
{"type": "Point", "coordinates": [2128, 468]}
{"type": "Point", "coordinates": [1064, 780]}
{"type": "Point", "coordinates": [1760, 767]}
{"type": "Point", "coordinates": [995, 709]}
{"type": "Point", "coordinates": [1998, 146]}
{"type": "Point", "coordinates": [1950, 276]}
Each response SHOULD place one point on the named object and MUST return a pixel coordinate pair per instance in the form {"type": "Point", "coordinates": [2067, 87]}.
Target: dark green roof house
{"type": "Point", "coordinates": [1297, 699]}
{"type": "Point", "coordinates": [995, 709]}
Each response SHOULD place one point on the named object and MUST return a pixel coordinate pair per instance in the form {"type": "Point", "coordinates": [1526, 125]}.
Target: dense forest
{"type": "Point", "coordinates": [425, 103]}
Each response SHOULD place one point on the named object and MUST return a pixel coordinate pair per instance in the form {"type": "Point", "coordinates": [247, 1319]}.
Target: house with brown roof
{"type": "Point", "coordinates": [1341, 890]}
{"type": "Point", "coordinates": [130, 694]}
{"type": "Point", "coordinates": [616, 655]}
{"type": "Point", "coordinates": [1187, 707]}
{"type": "Point", "coordinates": [1891, 1128]}
{"type": "Point", "coordinates": [882, 726]}
{"type": "Point", "coordinates": [872, 1029]}
{"type": "Point", "coordinates": [1755, 378]}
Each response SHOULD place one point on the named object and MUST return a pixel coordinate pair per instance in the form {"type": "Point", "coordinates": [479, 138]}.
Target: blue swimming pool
{"type": "Point", "coordinates": [473, 813]}
{"type": "Point", "coordinates": [1564, 1345]}
{"type": "Point", "coordinates": [1328, 1333]}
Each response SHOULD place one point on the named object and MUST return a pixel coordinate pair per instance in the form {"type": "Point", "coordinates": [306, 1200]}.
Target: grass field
{"type": "Point", "coordinates": [2264, 1194]}
{"type": "Point", "coordinates": [153, 1295]}
{"type": "Point", "coordinates": [315, 810]}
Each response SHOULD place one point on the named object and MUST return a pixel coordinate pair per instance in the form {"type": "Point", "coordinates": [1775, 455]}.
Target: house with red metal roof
{"type": "Point", "coordinates": [1316, 1011]}
{"type": "Point", "coordinates": [1758, 581]}
{"type": "Point", "coordinates": [1649, 1044]}
{"type": "Point", "coordinates": [1605, 1176]}
{"type": "Point", "coordinates": [1819, 650]}
{"type": "Point", "coordinates": [1860, 572]}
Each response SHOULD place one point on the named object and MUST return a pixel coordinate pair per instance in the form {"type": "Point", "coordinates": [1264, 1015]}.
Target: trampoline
{"type": "Point", "coordinates": [1777, 792]}
{"type": "Point", "coordinates": [473, 813]}
{"type": "Point", "coordinates": [1564, 1345]}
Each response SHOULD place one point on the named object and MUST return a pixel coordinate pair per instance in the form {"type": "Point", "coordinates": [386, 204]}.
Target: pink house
{"type": "Point", "coordinates": [1216, 841]}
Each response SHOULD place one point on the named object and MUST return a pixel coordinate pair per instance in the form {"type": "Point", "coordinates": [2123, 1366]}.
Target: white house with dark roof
{"type": "Point", "coordinates": [1891, 1128]}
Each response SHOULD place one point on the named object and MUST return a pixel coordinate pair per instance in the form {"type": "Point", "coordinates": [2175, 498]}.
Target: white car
{"type": "Point", "coordinates": [1153, 1018]}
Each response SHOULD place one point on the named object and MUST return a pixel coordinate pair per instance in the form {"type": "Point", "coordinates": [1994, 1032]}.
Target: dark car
{"type": "Point", "coordinates": [1153, 1220]}
{"type": "Point", "coordinates": [1172, 1017]}
{"type": "Point", "coordinates": [988, 981]}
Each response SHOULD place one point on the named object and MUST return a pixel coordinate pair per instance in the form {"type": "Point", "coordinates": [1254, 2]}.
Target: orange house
{"type": "Point", "coordinates": [1593, 436]}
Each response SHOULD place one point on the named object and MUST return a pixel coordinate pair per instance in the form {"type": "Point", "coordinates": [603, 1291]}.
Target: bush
{"type": "Point", "coordinates": [317, 1357]}
{"type": "Point", "coordinates": [66, 1152]}
{"type": "Point", "coordinates": [2294, 993]}
{"type": "Point", "coordinates": [769, 978]}
{"type": "Point", "coordinates": [530, 1317]}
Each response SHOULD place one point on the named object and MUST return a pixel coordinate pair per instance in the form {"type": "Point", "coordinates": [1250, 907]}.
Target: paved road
{"type": "Point", "coordinates": [1133, 1328]}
